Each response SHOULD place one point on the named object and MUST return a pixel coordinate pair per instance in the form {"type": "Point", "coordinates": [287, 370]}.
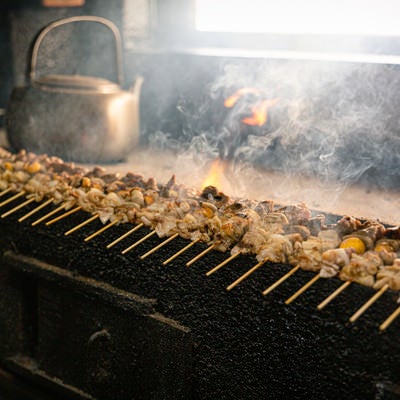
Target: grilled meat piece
{"type": "Point", "coordinates": [389, 275]}
{"type": "Point", "coordinates": [362, 269]}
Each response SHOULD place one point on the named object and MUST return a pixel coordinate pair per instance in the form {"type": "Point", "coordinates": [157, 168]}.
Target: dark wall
{"type": "Point", "coordinates": [5, 67]}
{"type": "Point", "coordinates": [71, 49]}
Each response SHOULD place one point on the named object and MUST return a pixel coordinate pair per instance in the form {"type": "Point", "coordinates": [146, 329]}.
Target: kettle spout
{"type": "Point", "coordinates": [135, 88]}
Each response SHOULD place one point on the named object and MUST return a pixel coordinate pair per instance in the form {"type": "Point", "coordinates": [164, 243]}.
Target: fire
{"type": "Point", "coordinates": [232, 100]}
{"type": "Point", "coordinates": [259, 111]}
{"type": "Point", "coordinates": [214, 176]}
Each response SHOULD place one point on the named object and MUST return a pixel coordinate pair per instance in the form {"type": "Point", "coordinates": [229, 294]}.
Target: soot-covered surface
{"type": "Point", "coordinates": [245, 346]}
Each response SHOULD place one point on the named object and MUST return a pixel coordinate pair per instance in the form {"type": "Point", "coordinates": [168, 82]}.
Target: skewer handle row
{"type": "Point", "coordinates": [5, 191]}
{"type": "Point", "coordinates": [125, 235]}
{"type": "Point", "coordinates": [202, 254]}
{"type": "Point", "coordinates": [389, 319]}
{"type": "Point", "coordinates": [81, 225]}
{"type": "Point", "coordinates": [369, 303]}
{"type": "Point", "coordinates": [219, 266]}
{"type": "Point", "coordinates": [50, 214]}
{"type": "Point", "coordinates": [181, 251]}
{"type": "Point", "coordinates": [103, 229]}
{"type": "Point", "coordinates": [154, 249]}
{"type": "Point", "coordinates": [35, 210]}
{"type": "Point", "coordinates": [280, 281]}
{"type": "Point", "coordinates": [302, 289]}
{"type": "Point", "coordinates": [62, 216]}
{"type": "Point", "coordinates": [12, 198]}
{"type": "Point", "coordinates": [18, 207]}
{"type": "Point", "coordinates": [333, 295]}
{"type": "Point", "coordinates": [245, 275]}
{"type": "Point", "coordinates": [138, 242]}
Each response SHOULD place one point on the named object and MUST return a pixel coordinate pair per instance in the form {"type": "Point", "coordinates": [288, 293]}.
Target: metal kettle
{"type": "Point", "coordinates": [77, 118]}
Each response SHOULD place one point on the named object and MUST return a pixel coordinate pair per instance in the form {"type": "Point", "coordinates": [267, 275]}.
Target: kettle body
{"type": "Point", "coordinates": [77, 118]}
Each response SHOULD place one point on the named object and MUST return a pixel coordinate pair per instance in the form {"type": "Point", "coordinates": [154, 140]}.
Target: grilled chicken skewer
{"type": "Point", "coordinates": [210, 217]}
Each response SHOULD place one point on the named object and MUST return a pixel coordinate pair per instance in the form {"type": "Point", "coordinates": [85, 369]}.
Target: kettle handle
{"type": "Point", "coordinates": [87, 18]}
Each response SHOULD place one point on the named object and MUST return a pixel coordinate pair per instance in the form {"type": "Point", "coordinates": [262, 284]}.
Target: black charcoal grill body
{"type": "Point", "coordinates": [78, 320]}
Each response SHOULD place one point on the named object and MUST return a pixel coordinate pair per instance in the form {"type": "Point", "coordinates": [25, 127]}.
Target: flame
{"type": "Point", "coordinates": [232, 100]}
{"type": "Point", "coordinates": [260, 112]}
{"type": "Point", "coordinates": [214, 176]}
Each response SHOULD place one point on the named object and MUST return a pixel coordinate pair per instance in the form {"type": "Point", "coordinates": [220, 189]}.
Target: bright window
{"type": "Point", "coordinates": [341, 17]}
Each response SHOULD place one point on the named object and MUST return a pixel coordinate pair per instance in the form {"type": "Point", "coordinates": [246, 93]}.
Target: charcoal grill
{"type": "Point", "coordinates": [83, 321]}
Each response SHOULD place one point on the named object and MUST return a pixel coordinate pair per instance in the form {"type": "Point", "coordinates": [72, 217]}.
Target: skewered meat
{"type": "Point", "coordinates": [316, 224]}
{"type": "Point", "coordinates": [329, 238]}
{"type": "Point", "coordinates": [297, 214]}
{"type": "Point", "coordinates": [286, 234]}
{"type": "Point", "coordinates": [274, 222]}
{"type": "Point", "coordinates": [389, 275]}
{"type": "Point", "coordinates": [309, 255]}
{"type": "Point", "coordinates": [362, 269]}
{"type": "Point", "coordinates": [370, 232]}
{"type": "Point", "coordinates": [387, 250]}
{"type": "Point", "coordinates": [347, 225]}
{"type": "Point", "coordinates": [252, 241]}
{"type": "Point", "coordinates": [302, 230]}
{"type": "Point", "coordinates": [277, 249]}
{"type": "Point", "coordinates": [333, 260]}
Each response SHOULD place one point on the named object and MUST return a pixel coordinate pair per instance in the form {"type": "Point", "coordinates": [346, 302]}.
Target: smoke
{"type": "Point", "coordinates": [335, 122]}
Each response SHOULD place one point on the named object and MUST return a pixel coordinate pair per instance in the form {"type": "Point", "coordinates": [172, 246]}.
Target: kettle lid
{"type": "Point", "coordinates": [78, 83]}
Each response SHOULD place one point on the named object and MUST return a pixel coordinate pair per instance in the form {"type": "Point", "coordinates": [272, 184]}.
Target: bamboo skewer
{"type": "Point", "coordinates": [62, 216]}
{"type": "Point", "coordinates": [302, 289]}
{"type": "Point", "coordinates": [245, 275]}
{"type": "Point", "coordinates": [166, 241]}
{"type": "Point", "coordinates": [124, 236]}
{"type": "Point", "coordinates": [220, 265]}
{"type": "Point", "coordinates": [48, 215]}
{"type": "Point", "coordinates": [280, 280]}
{"type": "Point", "coordinates": [369, 303]}
{"type": "Point", "coordinates": [202, 254]}
{"type": "Point", "coordinates": [25, 203]}
{"type": "Point", "coordinates": [138, 242]}
{"type": "Point", "coordinates": [5, 191]}
{"type": "Point", "coordinates": [12, 198]}
{"type": "Point", "coordinates": [81, 225]}
{"type": "Point", "coordinates": [334, 294]}
{"type": "Point", "coordinates": [104, 228]}
{"type": "Point", "coordinates": [35, 210]}
{"type": "Point", "coordinates": [385, 324]}
{"type": "Point", "coordinates": [181, 251]}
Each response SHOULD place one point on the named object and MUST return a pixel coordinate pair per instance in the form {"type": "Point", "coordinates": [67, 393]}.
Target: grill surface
{"type": "Point", "coordinates": [244, 345]}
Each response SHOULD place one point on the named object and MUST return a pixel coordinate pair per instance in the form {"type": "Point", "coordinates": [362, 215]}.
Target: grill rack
{"type": "Point", "coordinates": [48, 222]}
